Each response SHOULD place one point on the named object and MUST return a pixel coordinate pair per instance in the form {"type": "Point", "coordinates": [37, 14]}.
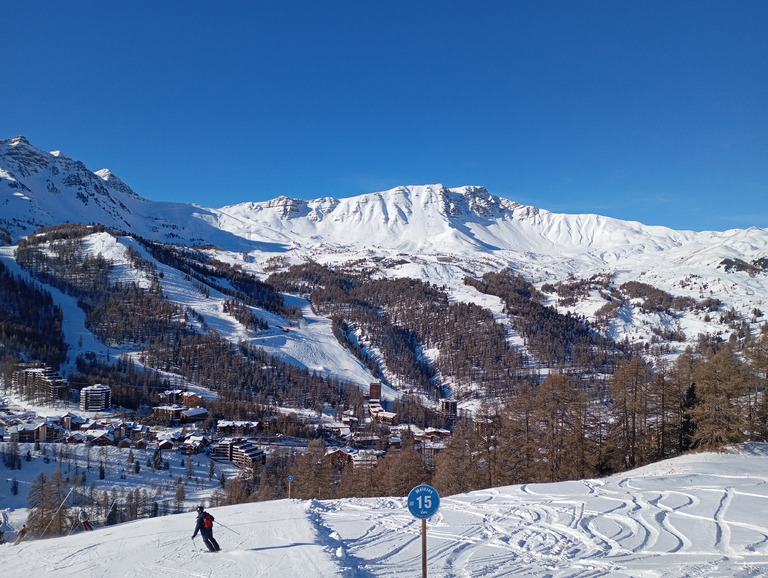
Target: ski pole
{"type": "Point", "coordinates": [194, 544]}
{"type": "Point", "coordinates": [56, 512]}
{"type": "Point", "coordinates": [72, 529]}
{"type": "Point", "coordinates": [228, 528]}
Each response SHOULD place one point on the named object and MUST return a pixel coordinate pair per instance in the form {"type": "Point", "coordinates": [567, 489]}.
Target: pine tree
{"type": "Point", "coordinates": [757, 354]}
{"type": "Point", "coordinates": [519, 439]}
{"type": "Point", "coordinates": [488, 445]}
{"type": "Point", "coordinates": [179, 497]}
{"type": "Point", "coordinates": [236, 491]}
{"type": "Point", "coordinates": [560, 419]}
{"type": "Point", "coordinates": [47, 503]}
{"type": "Point", "coordinates": [456, 466]}
{"type": "Point", "coordinates": [12, 456]}
{"type": "Point", "coordinates": [628, 391]}
{"type": "Point", "coordinates": [720, 386]}
{"type": "Point", "coordinates": [40, 504]}
{"type": "Point", "coordinates": [157, 460]}
{"type": "Point", "coordinates": [400, 471]}
{"type": "Point", "coordinates": [305, 473]}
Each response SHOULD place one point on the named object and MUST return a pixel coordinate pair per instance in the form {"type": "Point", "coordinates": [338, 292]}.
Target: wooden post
{"type": "Point", "coordinates": [424, 548]}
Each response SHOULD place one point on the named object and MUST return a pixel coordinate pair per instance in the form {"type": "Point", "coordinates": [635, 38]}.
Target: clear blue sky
{"type": "Point", "coordinates": [654, 111]}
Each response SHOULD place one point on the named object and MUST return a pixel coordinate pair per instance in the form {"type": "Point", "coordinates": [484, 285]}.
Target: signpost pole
{"type": "Point", "coordinates": [424, 548]}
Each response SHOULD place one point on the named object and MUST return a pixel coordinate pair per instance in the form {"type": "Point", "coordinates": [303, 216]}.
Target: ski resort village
{"type": "Point", "coordinates": [179, 425]}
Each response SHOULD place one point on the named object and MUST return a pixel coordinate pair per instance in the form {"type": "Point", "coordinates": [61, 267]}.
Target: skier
{"type": "Point", "coordinates": [84, 520]}
{"type": "Point", "coordinates": [21, 534]}
{"type": "Point", "coordinates": [205, 527]}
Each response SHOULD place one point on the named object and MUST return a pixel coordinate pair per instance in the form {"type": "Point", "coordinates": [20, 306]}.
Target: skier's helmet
{"type": "Point", "coordinates": [200, 508]}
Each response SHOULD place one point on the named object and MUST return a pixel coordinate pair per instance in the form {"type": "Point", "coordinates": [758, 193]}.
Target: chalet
{"type": "Point", "coordinates": [194, 414]}
{"type": "Point", "coordinates": [348, 419]}
{"type": "Point", "coordinates": [194, 444]}
{"type": "Point", "coordinates": [366, 458]}
{"type": "Point", "coordinates": [171, 396]}
{"type": "Point", "coordinates": [434, 434]}
{"type": "Point", "coordinates": [71, 421]}
{"type": "Point", "coordinates": [357, 458]}
{"type": "Point", "coordinates": [237, 428]}
{"type": "Point", "coordinates": [164, 444]}
{"type": "Point", "coordinates": [190, 399]}
{"type": "Point", "coordinates": [378, 414]}
{"type": "Point", "coordinates": [92, 426]}
{"type": "Point", "coordinates": [100, 438]}
{"type": "Point", "coordinates": [24, 433]}
{"type": "Point", "coordinates": [329, 430]}
{"type": "Point", "coordinates": [131, 430]}
{"type": "Point", "coordinates": [36, 432]}
{"type": "Point", "coordinates": [340, 457]}
{"type": "Point", "coordinates": [169, 412]}
{"type": "Point", "coordinates": [180, 397]}
{"type": "Point", "coordinates": [362, 440]}
{"type": "Point", "coordinates": [75, 437]}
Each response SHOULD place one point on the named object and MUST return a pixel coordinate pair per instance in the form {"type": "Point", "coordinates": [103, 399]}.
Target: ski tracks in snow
{"type": "Point", "coordinates": [658, 526]}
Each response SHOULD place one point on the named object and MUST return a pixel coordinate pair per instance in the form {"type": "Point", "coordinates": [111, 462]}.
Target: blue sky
{"type": "Point", "coordinates": [654, 111]}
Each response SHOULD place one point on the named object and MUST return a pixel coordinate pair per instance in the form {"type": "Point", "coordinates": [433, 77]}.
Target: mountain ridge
{"type": "Point", "coordinates": [465, 210]}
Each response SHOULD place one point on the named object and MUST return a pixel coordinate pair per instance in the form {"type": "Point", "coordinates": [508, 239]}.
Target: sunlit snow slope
{"type": "Point", "coordinates": [699, 515]}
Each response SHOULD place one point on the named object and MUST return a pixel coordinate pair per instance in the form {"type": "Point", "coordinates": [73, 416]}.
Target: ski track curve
{"type": "Point", "coordinates": [591, 529]}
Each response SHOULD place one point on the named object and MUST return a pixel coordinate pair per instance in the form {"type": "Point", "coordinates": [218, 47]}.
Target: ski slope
{"type": "Point", "coordinates": [699, 515]}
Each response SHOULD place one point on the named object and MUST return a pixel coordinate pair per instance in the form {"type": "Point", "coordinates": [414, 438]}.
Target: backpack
{"type": "Point", "coordinates": [207, 520]}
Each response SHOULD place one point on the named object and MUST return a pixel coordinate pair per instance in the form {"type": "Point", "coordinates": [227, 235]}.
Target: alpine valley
{"type": "Point", "coordinates": [446, 292]}
{"type": "Point", "coordinates": [433, 293]}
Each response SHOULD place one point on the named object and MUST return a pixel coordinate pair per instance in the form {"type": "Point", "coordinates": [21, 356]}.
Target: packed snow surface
{"type": "Point", "coordinates": [697, 515]}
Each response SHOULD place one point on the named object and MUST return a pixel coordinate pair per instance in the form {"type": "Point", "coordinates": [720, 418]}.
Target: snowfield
{"type": "Point", "coordinates": [697, 515]}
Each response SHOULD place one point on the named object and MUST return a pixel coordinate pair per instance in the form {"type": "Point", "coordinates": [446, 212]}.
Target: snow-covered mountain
{"type": "Point", "coordinates": [429, 232]}
{"type": "Point", "coordinates": [39, 189]}
{"type": "Point", "coordinates": [698, 515]}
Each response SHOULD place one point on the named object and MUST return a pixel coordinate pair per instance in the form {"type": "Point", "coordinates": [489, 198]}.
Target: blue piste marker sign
{"type": "Point", "coordinates": [423, 501]}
